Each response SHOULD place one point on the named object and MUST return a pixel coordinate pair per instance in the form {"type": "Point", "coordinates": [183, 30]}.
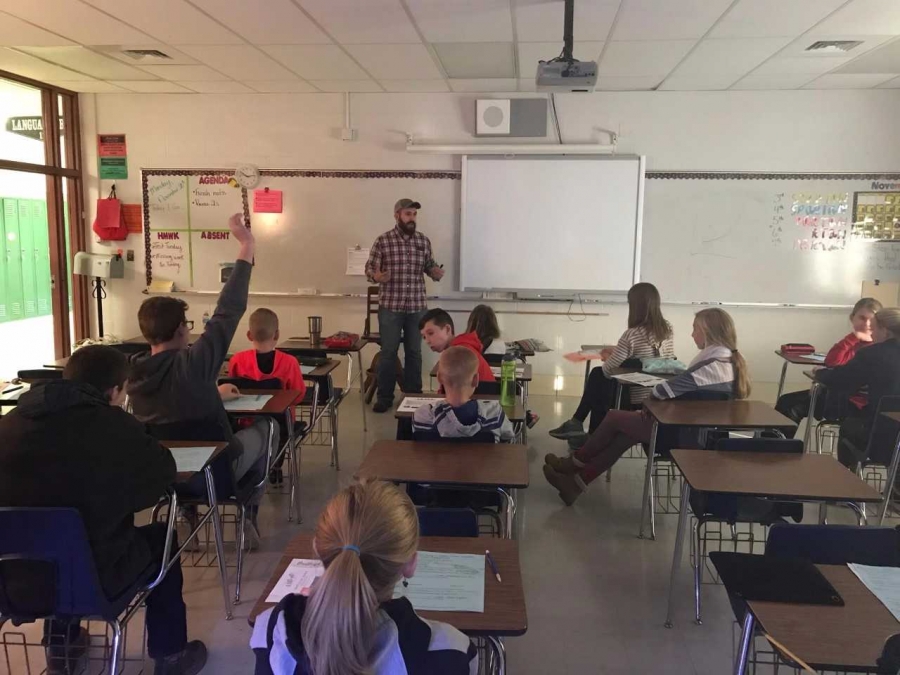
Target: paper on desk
{"type": "Point", "coordinates": [641, 379]}
{"type": "Point", "coordinates": [251, 402]}
{"type": "Point", "coordinates": [192, 459]}
{"type": "Point", "coordinates": [884, 582]}
{"type": "Point", "coordinates": [496, 371]}
{"type": "Point", "coordinates": [412, 403]}
{"type": "Point", "coordinates": [14, 395]}
{"type": "Point", "coordinates": [356, 261]}
{"type": "Point", "coordinates": [446, 582]}
{"type": "Point", "coordinates": [306, 370]}
{"type": "Point", "coordinates": [815, 357]}
{"type": "Point", "coordinates": [299, 575]}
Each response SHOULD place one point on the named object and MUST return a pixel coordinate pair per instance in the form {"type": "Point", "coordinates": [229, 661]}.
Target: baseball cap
{"type": "Point", "coordinates": [406, 204]}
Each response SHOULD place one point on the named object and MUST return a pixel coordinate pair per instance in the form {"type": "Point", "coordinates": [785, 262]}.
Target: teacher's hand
{"type": "Point", "coordinates": [436, 273]}
{"type": "Point", "coordinates": [382, 276]}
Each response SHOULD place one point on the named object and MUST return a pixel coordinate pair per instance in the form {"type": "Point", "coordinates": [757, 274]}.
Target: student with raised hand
{"type": "Point", "coordinates": [795, 404]}
{"type": "Point", "coordinates": [718, 369]}
{"type": "Point", "coordinates": [877, 368]}
{"type": "Point", "coordinates": [648, 335]}
{"type": "Point", "coordinates": [367, 538]}
{"type": "Point", "coordinates": [483, 322]}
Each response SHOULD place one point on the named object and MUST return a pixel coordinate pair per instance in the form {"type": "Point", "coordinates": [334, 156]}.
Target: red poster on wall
{"type": "Point", "coordinates": [267, 201]}
{"type": "Point", "coordinates": [111, 145]}
{"type": "Point", "coordinates": [132, 213]}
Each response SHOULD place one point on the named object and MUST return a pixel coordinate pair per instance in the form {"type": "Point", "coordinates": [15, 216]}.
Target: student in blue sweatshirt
{"type": "Point", "coordinates": [459, 415]}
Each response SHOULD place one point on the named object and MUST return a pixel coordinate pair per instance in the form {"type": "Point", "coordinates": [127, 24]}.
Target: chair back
{"type": "Point", "coordinates": [40, 375]}
{"type": "Point", "coordinates": [131, 349]}
{"type": "Point", "coordinates": [46, 566]}
{"type": "Point", "coordinates": [371, 310]}
{"type": "Point", "coordinates": [836, 544]}
{"type": "Point", "coordinates": [445, 522]}
{"type": "Point", "coordinates": [272, 383]}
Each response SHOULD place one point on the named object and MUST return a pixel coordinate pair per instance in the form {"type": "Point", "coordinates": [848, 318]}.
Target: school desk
{"type": "Point", "coordinates": [500, 467]}
{"type": "Point", "coordinates": [321, 378]}
{"type": "Point", "coordinates": [796, 359]}
{"type": "Point", "coordinates": [504, 602]}
{"type": "Point", "coordinates": [727, 415]}
{"type": "Point", "coordinates": [589, 362]}
{"type": "Point", "coordinates": [779, 476]}
{"type": "Point", "coordinates": [212, 513]}
{"type": "Point", "coordinates": [523, 378]}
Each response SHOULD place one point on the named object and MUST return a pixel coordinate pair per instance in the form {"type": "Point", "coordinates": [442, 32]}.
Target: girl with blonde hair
{"type": "Point", "coordinates": [366, 538]}
{"type": "Point", "coordinates": [718, 371]}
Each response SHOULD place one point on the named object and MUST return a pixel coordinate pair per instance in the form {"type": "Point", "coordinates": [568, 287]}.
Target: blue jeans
{"type": "Point", "coordinates": [390, 326]}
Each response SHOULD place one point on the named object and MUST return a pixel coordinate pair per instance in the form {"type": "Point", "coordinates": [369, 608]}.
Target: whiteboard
{"type": "Point", "coordinates": [305, 246]}
{"type": "Point", "coordinates": [550, 223]}
{"type": "Point", "coordinates": [759, 238]}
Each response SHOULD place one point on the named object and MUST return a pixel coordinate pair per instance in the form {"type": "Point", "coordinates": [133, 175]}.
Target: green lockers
{"type": "Point", "coordinates": [14, 288]}
{"type": "Point", "coordinates": [24, 259]}
{"type": "Point", "coordinates": [4, 264]}
{"type": "Point", "coordinates": [41, 257]}
{"type": "Point", "coordinates": [26, 241]}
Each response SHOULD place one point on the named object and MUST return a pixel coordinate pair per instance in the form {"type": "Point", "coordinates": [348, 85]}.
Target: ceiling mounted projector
{"type": "Point", "coordinates": [565, 72]}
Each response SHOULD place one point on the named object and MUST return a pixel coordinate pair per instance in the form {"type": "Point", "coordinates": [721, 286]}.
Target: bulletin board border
{"type": "Point", "coordinates": [766, 175]}
{"type": "Point", "coordinates": [273, 173]}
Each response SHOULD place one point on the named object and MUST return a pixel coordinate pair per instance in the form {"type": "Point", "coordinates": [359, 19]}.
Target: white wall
{"type": "Point", "coordinates": [815, 131]}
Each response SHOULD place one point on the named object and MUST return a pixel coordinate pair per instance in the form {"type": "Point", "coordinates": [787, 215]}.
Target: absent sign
{"type": "Point", "coordinates": [132, 214]}
{"type": "Point", "coordinates": [267, 201]}
{"type": "Point", "coordinates": [111, 145]}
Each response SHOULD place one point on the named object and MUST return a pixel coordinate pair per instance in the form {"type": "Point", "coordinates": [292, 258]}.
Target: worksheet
{"type": "Point", "coordinates": [298, 576]}
{"type": "Point", "coordinates": [641, 379]}
{"type": "Point", "coordinates": [306, 370]}
{"type": "Point", "coordinates": [446, 582]}
{"type": "Point", "coordinates": [884, 582]}
{"type": "Point", "coordinates": [191, 459]}
{"type": "Point", "coordinates": [412, 403]}
{"type": "Point", "coordinates": [245, 402]}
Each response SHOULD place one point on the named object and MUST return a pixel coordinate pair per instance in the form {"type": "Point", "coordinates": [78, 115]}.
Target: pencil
{"type": "Point", "coordinates": [490, 559]}
{"type": "Point", "coordinates": [788, 653]}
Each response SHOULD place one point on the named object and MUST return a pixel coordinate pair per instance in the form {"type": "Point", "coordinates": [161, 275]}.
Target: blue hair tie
{"type": "Point", "coordinates": [351, 547]}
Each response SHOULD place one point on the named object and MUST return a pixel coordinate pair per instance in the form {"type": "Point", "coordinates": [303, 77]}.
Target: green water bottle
{"type": "Point", "coordinates": [508, 380]}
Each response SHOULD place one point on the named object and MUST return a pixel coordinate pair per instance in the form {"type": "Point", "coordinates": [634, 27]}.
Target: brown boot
{"type": "Point", "coordinates": [568, 487]}
{"type": "Point", "coordinates": [563, 465]}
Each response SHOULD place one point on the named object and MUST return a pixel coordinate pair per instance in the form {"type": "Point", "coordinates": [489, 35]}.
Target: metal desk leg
{"type": "Point", "coordinates": [509, 512]}
{"type": "Point", "coordinates": [217, 530]}
{"type": "Point", "coordinates": [335, 460]}
{"type": "Point", "coordinates": [889, 484]}
{"type": "Point", "coordinates": [648, 478]}
{"type": "Point", "coordinates": [499, 652]}
{"type": "Point", "coordinates": [810, 417]}
{"type": "Point", "coordinates": [587, 373]}
{"type": "Point", "coordinates": [781, 381]}
{"type": "Point", "coordinates": [362, 398]}
{"type": "Point", "coordinates": [823, 513]}
{"type": "Point", "coordinates": [295, 458]}
{"type": "Point", "coordinates": [743, 655]}
{"type": "Point", "coordinates": [679, 547]}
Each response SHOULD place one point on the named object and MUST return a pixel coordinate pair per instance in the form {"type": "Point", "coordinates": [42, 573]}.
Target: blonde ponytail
{"type": "Point", "coordinates": [718, 329]}
{"type": "Point", "coordinates": [364, 537]}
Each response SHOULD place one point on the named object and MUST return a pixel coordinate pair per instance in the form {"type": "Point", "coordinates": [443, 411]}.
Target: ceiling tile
{"type": "Point", "coordinates": [667, 20]}
{"type": "Point", "coordinates": [400, 62]}
{"type": "Point", "coordinates": [274, 22]}
{"type": "Point", "coordinates": [317, 62]}
{"type": "Point", "coordinates": [29, 66]}
{"type": "Point", "coordinates": [532, 52]}
{"type": "Point", "coordinates": [218, 87]}
{"type": "Point", "coordinates": [832, 81]}
{"type": "Point", "coordinates": [869, 42]}
{"type": "Point", "coordinates": [464, 20]}
{"type": "Point", "coordinates": [771, 82]}
{"type": "Point", "coordinates": [865, 17]}
{"type": "Point", "coordinates": [241, 62]}
{"type": "Point", "coordinates": [499, 85]}
{"type": "Point", "coordinates": [415, 85]}
{"type": "Point", "coordinates": [75, 20]}
{"type": "Point", "coordinates": [172, 21]}
{"type": "Point", "coordinates": [185, 73]}
{"type": "Point", "coordinates": [773, 18]}
{"type": "Point", "coordinates": [152, 87]}
{"type": "Point", "coordinates": [643, 58]}
{"type": "Point", "coordinates": [543, 21]}
{"type": "Point", "coordinates": [737, 56]}
{"type": "Point", "coordinates": [90, 87]}
{"type": "Point", "coordinates": [800, 65]}
{"type": "Point", "coordinates": [15, 32]}
{"type": "Point", "coordinates": [890, 84]}
{"type": "Point", "coordinates": [88, 62]}
{"type": "Point", "coordinates": [699, 82]}
{"type": "Point", "coordinates": [371, 22]}
{"type": "Point", "coordinates": [885, 59]}
{"type": "Point", "coordinates": [176, 57]}
{"type": "Point", "coordinates": [477, 60]}
{"type": "Point", "coordinates": [361, 86]}
{"type": "Point", "coordinates": [630, 83]}
{"type": "Point", "coordinates": [281, 86]}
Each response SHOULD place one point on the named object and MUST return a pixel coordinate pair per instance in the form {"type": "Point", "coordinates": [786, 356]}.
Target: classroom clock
{"type": "Point", "coordinates": [247, 176]}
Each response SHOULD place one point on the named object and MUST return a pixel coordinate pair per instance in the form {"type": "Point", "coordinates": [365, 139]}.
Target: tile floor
{"type": "Point", "coordinates": [595, 593]}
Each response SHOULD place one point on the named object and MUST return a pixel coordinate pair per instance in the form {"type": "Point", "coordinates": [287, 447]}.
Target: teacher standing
{"type": "Point", "coordinates": [396, 263]}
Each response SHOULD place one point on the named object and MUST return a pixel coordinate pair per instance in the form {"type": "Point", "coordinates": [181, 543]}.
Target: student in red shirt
{"type": "Point", "coordinates": [796, 404]}
{"type": "Point", "coordinates": [437, 330]}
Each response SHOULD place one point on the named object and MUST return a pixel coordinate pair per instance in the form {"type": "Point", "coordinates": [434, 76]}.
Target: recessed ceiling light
{"type": "Point", "coordinates": [140, 54]}
{"type": "Point", "coordinates": [833, 46]}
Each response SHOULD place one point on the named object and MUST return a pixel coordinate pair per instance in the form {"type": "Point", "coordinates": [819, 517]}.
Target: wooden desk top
{"type": "Point", "coordinates": [173, 446]}
{"type": "Point", "coordinates": [768, 474]}
{"type": "Point", "coordinates": [504, 603]}
{"type": "Point", "coordinates": [524, 376]}
{"type": "Point", "coordinates": [895, 416]}
{"type": "Point", "coordinates": [470, 464]}
{"type": "Point", "coordinates": [832, 638]}
{"type": "Point", "coordinates": [302, 344]}
{"type": "Point", "coordinates": [725, 414]}
{"type": "Point", "coordinates": [799, 360]}
{"type": "Point", "coordinates": [281, 400]}
{"type": "Point", "coordinates": [59, 364]}
{"type": "Point", "coordinates": [324, 369]}
{"type": "Point", "coordinates": [515, 413]}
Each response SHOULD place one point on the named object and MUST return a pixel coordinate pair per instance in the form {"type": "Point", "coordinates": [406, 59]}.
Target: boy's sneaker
{"type": "Point", "coordinates": [189, 661]}
{"type": "Point", "coordinates": [568, 429]}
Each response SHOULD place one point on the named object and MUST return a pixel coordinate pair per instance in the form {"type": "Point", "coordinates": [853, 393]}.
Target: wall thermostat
{"type": "Point", "coordinates": [225, 270]}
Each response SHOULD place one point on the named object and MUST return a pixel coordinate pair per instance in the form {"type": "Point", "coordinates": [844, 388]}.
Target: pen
{"type": "Point", "coordinates": [490, 559]}
{"type": "Point", "coordinates": [11, 390]}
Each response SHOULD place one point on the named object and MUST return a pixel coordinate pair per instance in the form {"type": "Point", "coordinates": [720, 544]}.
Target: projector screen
{"type": "Point", "coordinates": [551, 223]}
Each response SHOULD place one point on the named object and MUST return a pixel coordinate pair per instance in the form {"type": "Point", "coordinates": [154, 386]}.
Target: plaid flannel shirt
{"type": "Point", "coordinates": [406, 257]}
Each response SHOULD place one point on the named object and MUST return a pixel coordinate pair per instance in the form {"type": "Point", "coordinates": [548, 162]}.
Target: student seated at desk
{"type": "Point", "coordinates": [483, 322]}
{"type": "Point", "coordinates": [367, 538]}
{"type": "Point", "coordinates": [648, 335]}
{"type": "Point", "coordinates": [70, 444]}
{"type": "Point", "coordinates": [459, 415]}
{"type": "Point", "coordinates": [876, 368]}
{"type": "Point", "coordinates": [437, 330]}
{"type": "Point", "coordinates": [796, 403]}
{"type": "Point", "coordinates": [717, 369]}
